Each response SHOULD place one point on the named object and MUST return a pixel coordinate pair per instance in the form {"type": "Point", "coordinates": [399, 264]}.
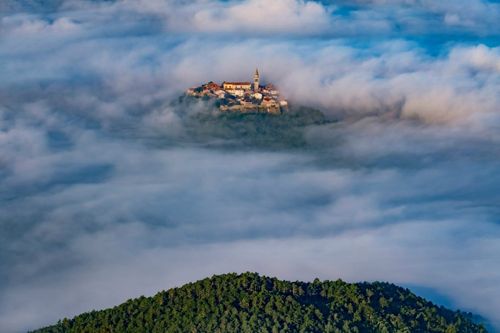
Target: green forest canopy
{"type": "Point", "coordinates": [252, 303]}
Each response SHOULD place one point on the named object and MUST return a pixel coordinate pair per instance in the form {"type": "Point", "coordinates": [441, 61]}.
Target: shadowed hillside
{"type": "Point", "coordinates": [252, 303]}
{"type": "Point", "coordinates": [255, 130]}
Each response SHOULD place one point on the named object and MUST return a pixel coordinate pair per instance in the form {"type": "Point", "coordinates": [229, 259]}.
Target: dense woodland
{"type": "Point", "coordinates": [254, 130]}
{"type": "Point", "coordinates": [252, 303]}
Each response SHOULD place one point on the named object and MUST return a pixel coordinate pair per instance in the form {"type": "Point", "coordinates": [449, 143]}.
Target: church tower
{"type": "Point", "coordinates": [256, 78]}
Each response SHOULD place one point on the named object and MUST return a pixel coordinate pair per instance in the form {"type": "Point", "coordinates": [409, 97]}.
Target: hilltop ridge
{"type": "Point", "coordinates": [252, 303]}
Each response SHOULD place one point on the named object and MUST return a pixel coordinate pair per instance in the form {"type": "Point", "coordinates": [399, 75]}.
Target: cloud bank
{"type": "Point", "coordinates": [103, 198]}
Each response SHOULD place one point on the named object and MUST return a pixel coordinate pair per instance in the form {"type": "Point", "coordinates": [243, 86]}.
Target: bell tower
{"type": "Point", "coordinates": [256, 78]}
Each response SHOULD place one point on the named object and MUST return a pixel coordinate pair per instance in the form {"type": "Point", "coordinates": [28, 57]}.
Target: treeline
{"type": "Point", "coordinates": [252, 303]}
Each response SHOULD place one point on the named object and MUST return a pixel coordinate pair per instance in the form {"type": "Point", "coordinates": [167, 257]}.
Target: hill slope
{"type": "Point", "coordinates": [255, 129]}
{"type": "Point", "coordinates": [252, 303]}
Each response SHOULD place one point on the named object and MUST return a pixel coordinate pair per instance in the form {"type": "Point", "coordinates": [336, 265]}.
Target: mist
{"type": "Point", "coordinates": [106, 193]}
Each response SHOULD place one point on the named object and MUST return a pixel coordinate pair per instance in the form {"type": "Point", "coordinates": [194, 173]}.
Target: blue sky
{"type": "Point", "coordinates": [103, 198]}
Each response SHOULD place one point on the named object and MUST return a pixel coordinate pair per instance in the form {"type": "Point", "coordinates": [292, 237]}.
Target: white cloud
{"type": "Point", "coordinates": [256, 16]}
{"type": "Point", "coordinates": [25, 26]}
{"type": "Point", "coordinates": [250, 17]}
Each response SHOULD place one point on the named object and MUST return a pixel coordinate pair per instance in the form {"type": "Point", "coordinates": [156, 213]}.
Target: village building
{"type": "Point", "coordinates": [220, 93]}
{"type": "Point", "coordinates": [234, 86]}
{"type": "Point", "coordinates": [257, 95]}
{"type": "Point", "coordinates": [212, 86]}
{"type": "Point", "coordinates": [243, 96]}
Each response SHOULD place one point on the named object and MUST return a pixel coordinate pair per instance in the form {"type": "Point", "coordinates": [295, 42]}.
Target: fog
{"type": "Point", "coordinates": [107, 194]}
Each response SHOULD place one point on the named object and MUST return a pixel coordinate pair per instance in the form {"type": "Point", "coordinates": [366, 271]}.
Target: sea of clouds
{"type": "Point", "coordinates": [102, 198]}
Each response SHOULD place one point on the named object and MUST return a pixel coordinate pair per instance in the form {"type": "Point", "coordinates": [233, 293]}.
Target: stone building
{"type": "Point", "coordinates": [233, 86]}
{"type": "Point", "coordinates": [256, 79]}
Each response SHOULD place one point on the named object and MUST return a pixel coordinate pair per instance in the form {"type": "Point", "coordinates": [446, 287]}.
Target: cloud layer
{"type": "Point", "coordinates": [103, 198]}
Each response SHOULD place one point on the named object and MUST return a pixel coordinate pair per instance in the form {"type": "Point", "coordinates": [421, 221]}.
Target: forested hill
{"type": "Point", "coordinates": [252, 303]}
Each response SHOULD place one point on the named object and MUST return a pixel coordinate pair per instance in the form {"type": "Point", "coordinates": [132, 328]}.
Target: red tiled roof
{"type": "Point", "coordinates": [237, 83]}
{"type": "Point", "coordinates": [211, 84]}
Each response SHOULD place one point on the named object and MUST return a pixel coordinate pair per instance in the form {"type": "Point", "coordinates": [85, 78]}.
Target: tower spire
{"type": "Point", "coordinates": [256, 79]}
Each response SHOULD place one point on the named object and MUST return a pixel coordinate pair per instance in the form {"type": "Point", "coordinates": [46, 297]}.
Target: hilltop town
{"type": "Point", "coordinates": [243, 97]}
